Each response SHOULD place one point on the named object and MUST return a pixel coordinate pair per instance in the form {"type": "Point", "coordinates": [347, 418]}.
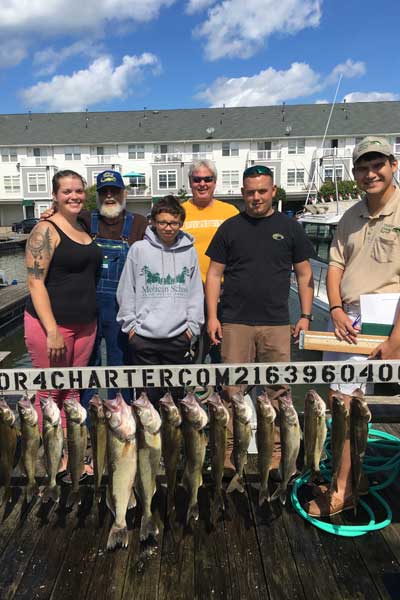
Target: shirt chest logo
{"type": "Point", "coordinates": [278, 236]}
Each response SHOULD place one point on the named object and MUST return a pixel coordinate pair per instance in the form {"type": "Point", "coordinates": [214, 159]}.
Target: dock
{"type": "Point", "coordinates": [12, 241]}
{"type": "Point", "coordinates": [12, 305]}
{"type": "Point", "coordinates": [263, 553]}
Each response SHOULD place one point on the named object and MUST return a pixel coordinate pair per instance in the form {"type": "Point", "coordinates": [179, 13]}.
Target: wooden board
{"type": "Point", "coordinates": [327, 341]}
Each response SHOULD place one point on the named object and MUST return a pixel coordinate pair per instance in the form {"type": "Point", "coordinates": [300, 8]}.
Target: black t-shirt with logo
{"type": "Point", "coordinates": [258, 255]}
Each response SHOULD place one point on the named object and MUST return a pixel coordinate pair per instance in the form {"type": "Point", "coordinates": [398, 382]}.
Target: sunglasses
{"type": "Point", "coordinates": [198, 179]}
{"type": "Point", "coordinates": [257, 170]}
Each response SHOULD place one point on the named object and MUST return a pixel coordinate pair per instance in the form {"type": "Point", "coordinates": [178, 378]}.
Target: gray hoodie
{"type": "Point", "coordinates": [160, 293]}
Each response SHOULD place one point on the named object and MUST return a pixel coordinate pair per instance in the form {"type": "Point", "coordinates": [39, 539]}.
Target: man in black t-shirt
{"type": "Point", "coordinates": [254, 253]}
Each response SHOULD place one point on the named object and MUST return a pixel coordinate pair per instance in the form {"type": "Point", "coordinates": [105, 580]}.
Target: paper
{"type": "Point", "coordinates": [378, 313]}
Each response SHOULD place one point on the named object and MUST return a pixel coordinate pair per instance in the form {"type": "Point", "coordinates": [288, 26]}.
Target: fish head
{"type": "Point", "coordinates": [147, 414]}
{"type": "Point", "coordinates": [75, 411]}
{"type": "Point", "coordinates": [96, 406]}
{"type": "Point", "coordinates": [192, 412]}
{"type": "Point", "coordinates": [50, 411]}
{"type": "Point", "coordinates": [27, 411]}
{"type": "Point", "coordinates": [338, 404]}
{"type": "Point", "coordinates": [218, 410]}
{"type": "Point", "coordinates": [241, 409]}
{"type": "Point", "coordinates": [120, 418]}
{"type": "Point", "coordinates": [6, 414]}
{"type": "Point", "coordinates": [169, 410]}
{"type": "Point", "coordinates": [287, 409]}
{"type": "Point", "coordinates": [314, 403]}
{"type": "Point", "coordinates": [265, 408]}
{"type": "Point", "coordinates": [360, 408]}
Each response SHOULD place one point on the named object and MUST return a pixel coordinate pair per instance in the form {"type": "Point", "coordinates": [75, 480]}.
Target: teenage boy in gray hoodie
{"type": "Point", "coordinates": [160, 293]}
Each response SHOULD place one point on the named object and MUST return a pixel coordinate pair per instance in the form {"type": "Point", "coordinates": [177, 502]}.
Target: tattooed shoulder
{"type": "Point", "coordinates": [40, 246]}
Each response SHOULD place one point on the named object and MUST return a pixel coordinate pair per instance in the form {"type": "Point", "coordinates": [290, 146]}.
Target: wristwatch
{"type": "Point", "coordinates": [304, 316]}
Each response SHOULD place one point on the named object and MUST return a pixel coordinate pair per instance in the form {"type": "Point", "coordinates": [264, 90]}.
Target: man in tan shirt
{"type": "Point", "coordinates": [364, 259]}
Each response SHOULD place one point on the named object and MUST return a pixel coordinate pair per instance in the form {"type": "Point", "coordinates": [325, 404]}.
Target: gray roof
{"type": "Point", "coordinates": [259, 122]}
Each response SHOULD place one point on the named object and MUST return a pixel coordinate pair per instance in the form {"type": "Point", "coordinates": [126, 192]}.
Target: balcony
{"type": "Point", "coordinates": [256, 155]}
{"type": "Point", "coordinates": [102, 159]}
{"type": "Point", "coordinates": [332, 153]}
{"type": "Point", "coordinates": [167, 158]}
{"type": "Point", "coordinates": [138, 191]}
{"type": "Point", "coordinates": [36, 161]}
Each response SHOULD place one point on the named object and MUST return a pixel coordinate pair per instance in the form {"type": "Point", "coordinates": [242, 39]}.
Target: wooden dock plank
{"type": "Point", "coordinates": [276, 553]}
{"type": "Point", "coordinates": [11, 516]}
{"type": "Point", "coordinates": [245, 564]}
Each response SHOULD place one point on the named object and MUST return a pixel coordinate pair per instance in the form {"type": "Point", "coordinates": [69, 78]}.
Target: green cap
{"type": "Point", "coordinates": [372, 144]}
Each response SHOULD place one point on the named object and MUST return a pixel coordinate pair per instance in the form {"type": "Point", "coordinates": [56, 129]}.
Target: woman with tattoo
{"type": "Point", "coordinates": [63, 263]}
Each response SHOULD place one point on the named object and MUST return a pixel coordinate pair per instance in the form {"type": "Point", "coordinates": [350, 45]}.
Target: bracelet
{"type": "Point", "coordinates": [307, 316]}
{"type": "Point", "coordinates": [337, 306]}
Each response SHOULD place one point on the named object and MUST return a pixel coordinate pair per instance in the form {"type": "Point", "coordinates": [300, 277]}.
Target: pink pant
{"type": "Point", "coordinates": [79, 340]}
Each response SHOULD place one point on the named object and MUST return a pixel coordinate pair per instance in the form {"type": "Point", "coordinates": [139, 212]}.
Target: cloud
{"type": "Point", "coordinates": [273, 87]}
{"type": "Point", "coordinates": [48, 60]}
{"type": "Point", "coordinates": [100, 82]}
{"type": "Point", "coordinates": [236, 28]}
{"type": "Point", "coordinates": [197, 5]}
{"type": "Point", "coordinates": [12, 52]}
{"type": "Point", "coordinates": [322, 101]}
{"type": "Point", "coordinates": [370, 96]}
{"type": "Point", "coordinates": [77, 16]}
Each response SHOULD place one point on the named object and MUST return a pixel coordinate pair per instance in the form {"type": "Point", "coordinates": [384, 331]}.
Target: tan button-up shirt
{"type": "Point", "coordinates": [367, 248]}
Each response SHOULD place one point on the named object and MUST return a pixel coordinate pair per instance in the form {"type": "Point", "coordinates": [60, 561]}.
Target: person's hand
{"type": "Point", "coordinates": [131, 334]}
{"type": "Point", "coordinates": [55, 345]}
{"type": "Point", "coordinates": [302, 324]}
{"type": "Point", "coordinates": [189, 334]}
{"type": "Point", "coordinates": [390, 349]}
{"type": "Point", "coordinates": [47, 214]}
{"type": "Point", "coordinates": [214, 331]}
{"type": "Point", "coordinates": [343, 327]}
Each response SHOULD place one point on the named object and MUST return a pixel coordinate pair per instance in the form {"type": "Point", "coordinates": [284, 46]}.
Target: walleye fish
{"type": "Point", "coordinates": [265, 436]}
{"type": "Point", "coordinates": [195, 442]}
{"type": "Point", "coordinates": [241, 439]}
{"type": "Point", "coordinates": [314, 432]}
{"type": "Point", "coordinates": [339, 432]}
{"type": "Point", "coordinates": [30, 445]}
{"type": "Point", "coordinates": [8, 444]}
{"type": "Point", "coordinates": [171, 441]}
{"type": "Point", "coordinates": [98, 436]}
{"type": "Point", "coordinates": [219, 419]}
{"type": "Point", "coordinates": [149, 454]}
{"type": "Point", "coordinates": [360, 416]}
{"type": "Point", "coordinates": [290, 443]}
{"type": "Point", "coordinates": [77, 442]}
{"type": "Point", "coordinates": [122, 461]}
{"type": "Point", "coordinates": [53, 439]}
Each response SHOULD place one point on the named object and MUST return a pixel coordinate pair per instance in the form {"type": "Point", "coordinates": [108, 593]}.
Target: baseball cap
{"type": "Point", "coordinates": [372, 144]}
{"type": "Point", "coordinates": [109, 178]}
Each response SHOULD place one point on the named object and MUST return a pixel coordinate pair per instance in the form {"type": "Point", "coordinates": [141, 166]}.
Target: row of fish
{"type": "Point", "coordinates": [129, 443]}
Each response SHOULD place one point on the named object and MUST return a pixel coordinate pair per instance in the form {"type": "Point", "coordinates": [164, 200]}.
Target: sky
{"type": "Point", "coordinates": [58, 56]}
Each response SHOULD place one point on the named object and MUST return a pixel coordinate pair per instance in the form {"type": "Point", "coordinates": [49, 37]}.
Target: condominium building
{"type": "Point", "coordinates": [154, 149]}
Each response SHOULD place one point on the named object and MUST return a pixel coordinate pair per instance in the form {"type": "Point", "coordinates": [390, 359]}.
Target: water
{"type": "Point", "coordinates": [13, 265]}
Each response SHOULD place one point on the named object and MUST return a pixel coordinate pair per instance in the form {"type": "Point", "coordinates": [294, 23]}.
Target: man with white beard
{"type": "Point", "coordinates": [115, 230]}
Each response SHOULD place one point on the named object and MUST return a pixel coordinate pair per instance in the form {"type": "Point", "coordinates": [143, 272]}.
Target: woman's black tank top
{"type": "Point", "coordinates": [71, 281]}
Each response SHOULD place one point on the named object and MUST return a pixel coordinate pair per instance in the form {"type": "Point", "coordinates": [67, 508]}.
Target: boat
{"type": "Point", "coordinates": [319, 220]}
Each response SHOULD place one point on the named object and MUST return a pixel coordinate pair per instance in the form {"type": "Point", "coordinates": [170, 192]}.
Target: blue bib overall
{"type": "Point", "coordinates": [114, 257]}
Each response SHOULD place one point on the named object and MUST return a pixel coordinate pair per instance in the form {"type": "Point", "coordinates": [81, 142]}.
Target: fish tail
{"type": "Point", "coordinates": [264, 496]}
{"type": "Point", "coordinates": [31, 490]}
{"type": "Point", "coordinates": [109, 501]}
{"type": "Point", "coordinates": [51, 493]}
{"type": "Point", "coordinates": [118, 536]}
{"type": "Point", "coordinates": [148, 528]}
{"type": "Point", "coordinates": [280, 493]}
{"type": "Point", "coordinates": [5, 494]}
{"type": "Point", "coordinates": [132, 500]}
{"type": "Point", "coordinates": [74, 497]}
{"type": "Point", "coordinates": [236, 483]}
{"type": "Point", "coordinates": [192, 513]}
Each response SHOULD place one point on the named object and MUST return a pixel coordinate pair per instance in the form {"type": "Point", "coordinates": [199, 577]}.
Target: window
{"type": "Point", "coordinates": [264, 150]}
{"type": "Point", "coordinates": [230, 179]}
{"type": "Point", "coordinates": [230, 149]}
{"type": "Point", "coordinates": [139, 181]}
{"type": "Point", "coordinates": [100, 150]}
{"type": "Point", "coordinates": [330, 174]}
{"type": "Point", "coordinates": [296, 146]}
{"type": "Point", "coordinates": [199, 150]}
{"type": "Point", "coordinates": [9, 155]}
{"type": "Point", "coordinates": [136, 151]}
{"type": "Point", "coordinates": [72, 152]}
{"type": "Point", "coordinates": [37, 182]}
{"type": "Point", "coordinates": [12, 183]}
{"type": "Point", "coordinates": [295, 176]}
{"type": "Point", "coordinates": [167, 180]}
{"type": "Point", "coordinates": [397, 146]}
